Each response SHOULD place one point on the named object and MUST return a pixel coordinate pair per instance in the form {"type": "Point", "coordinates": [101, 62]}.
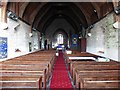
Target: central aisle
{"type": "Point", "coordinates": [60, 77]}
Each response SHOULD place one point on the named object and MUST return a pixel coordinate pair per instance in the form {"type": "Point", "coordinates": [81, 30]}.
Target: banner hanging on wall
{"type": "Point", "coordinates": [74, 40]}
{"type": "Point", "coordinates": [3, 47]}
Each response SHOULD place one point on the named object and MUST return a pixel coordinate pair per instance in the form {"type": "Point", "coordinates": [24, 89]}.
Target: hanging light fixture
{"type": "Point", "coordinates": [117, 9]}
{"type": "Point", "coordinates": [89, 34]}
{"type": "Point", "coordinates": [30, 34]}
{"type": "Point", "coordinates": [89, 30]}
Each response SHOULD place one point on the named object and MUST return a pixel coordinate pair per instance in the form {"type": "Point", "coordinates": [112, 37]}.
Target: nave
{"type": "Point", "coordinates": [43, 70]}
{"type": "Point", "coordinates": [59, 45]}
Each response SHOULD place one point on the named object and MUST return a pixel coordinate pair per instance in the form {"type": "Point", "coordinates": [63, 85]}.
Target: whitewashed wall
{"type": "Point", "coordinates": [104, 38]}
{"type": "Point", "coordinates": [35, 40]}
{"type": "Point", "coordinates": [18, 38]}
{"type": "Point", "coordinates": [119, 44]}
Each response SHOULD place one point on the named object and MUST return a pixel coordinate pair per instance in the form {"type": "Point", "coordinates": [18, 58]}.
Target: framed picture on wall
{"type": "Point", "coordinates": [74, 40]}
{"type": "Point", "coordinates": [3, 47]}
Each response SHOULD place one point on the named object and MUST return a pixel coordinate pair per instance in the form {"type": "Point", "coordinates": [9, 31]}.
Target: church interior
{"type": "Point", "coordinates": [59, 45]}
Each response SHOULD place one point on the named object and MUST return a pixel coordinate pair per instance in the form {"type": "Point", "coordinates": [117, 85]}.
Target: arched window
{"type": "Point", "coordinates": [60, 39]}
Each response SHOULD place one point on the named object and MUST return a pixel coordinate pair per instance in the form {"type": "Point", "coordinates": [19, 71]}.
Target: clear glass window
{"type": "Point", "coordinates": [60, 39]}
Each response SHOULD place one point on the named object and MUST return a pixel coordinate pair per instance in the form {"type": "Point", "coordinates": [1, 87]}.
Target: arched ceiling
{"type": "Point", "coordinates": [40, 14]}
{"type": "Point", "coordinates": [59, 24]}
{"type": "Point", "coordinates": [62, 31]}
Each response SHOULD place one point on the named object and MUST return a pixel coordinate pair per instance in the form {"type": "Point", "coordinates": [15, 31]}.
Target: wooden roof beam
{"type": "Point", "coordinates": [3, 16]}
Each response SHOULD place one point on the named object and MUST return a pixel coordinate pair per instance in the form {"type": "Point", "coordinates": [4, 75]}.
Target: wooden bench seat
{"type": "Point", "coordinates": [91, 74]}
{"type": "Point", "coordinates": [85, 54]}
{"type": "Point", "coordinates": [15, 62]}
{"type": "Point", "coordinates": [95, 67]}
{"type": "Point", "coordinates": [41, 54]}
{"type": "Point", "coordinates": [74, 64]}
{"type": "Point", "coordinates": [92, 65]}
{"type": "Point", "coordinates": [20, 73]}
{"type": "Point", "coordinates": [82, 54]}
{"type": "Point", "coordinates": [78, 54]}
{"type": "Point", "coordinates": [100, 82]}
{"type": "Point", "coordinates": [40, 63]}
{"type": "Point", "coordinates": [46, 63]}
{"type": "Point", "coordinates": [28, 61]}
{"type": "Point", "coordinates": [27, 67]}
{"type": "Point", "coordinates": [31, 62]}
{"type": "Point", "coordinates": [45, 60]}
{"type": "Point", "coordinates": [36, 58]}
{"type": "Point", "coordinates": [21, 82]}
{"type": "Point", "coordinates": [25, 71]}
{"type": "Point", "coordinates": [41, 68]}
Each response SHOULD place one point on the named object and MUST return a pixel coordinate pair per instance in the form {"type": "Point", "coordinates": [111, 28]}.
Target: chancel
{"type": "Point", "coordinates": [52, 45]}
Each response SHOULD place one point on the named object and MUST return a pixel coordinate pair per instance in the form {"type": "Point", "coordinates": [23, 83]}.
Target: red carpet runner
{"type": "Point", "coordinates": [60, 79]}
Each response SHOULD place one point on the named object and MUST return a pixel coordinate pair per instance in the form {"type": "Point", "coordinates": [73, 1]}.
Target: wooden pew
{"type": "Point", "coordinates": [45, 63]}
{"type": "Point", "coordinates": [79, 54]}
{"type": "Point", "coordinates": [75, 64]}
{"type": "Point", "coordinates": [101, 83]}
{"type": "Point", "coordinates": [92, 65]}
{"type": "Point", "coordinates": [35, 63]}
{"type": "Point", "coordinates": [51, 60]}
{"type": "Point", "coordinates": [101, 76]}
{"type": "Point", "coordinates": [28, 66]}
{"type": "Point", "coordinates": [95, 68]}
{"type": "Point", "coordinates": [29, 61]}
{"type": "Point", "coordinates": [47, 53]}
{"type": "Point", "coordinates": [85, 72]}
{"type": "Point", "coordinates": [44, 54]}
{"type": "Point", "coordinates": [21, 82]}
{"type": "Point", "coordinates": [22, 72]}
{"type": "Point", "coordinates": [41, 59]}
{"type": "Point", "coordinates": [82, 54]}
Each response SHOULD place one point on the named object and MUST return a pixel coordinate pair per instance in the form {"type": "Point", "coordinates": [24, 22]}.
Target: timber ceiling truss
{"type": "Point", "coordinates": [41, 14]}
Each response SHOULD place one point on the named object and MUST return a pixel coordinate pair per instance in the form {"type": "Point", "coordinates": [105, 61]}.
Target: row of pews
{"type": "Point", "coordinates": [88, 74]}
{"type": "Point", "coordinates": [27, 72]}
